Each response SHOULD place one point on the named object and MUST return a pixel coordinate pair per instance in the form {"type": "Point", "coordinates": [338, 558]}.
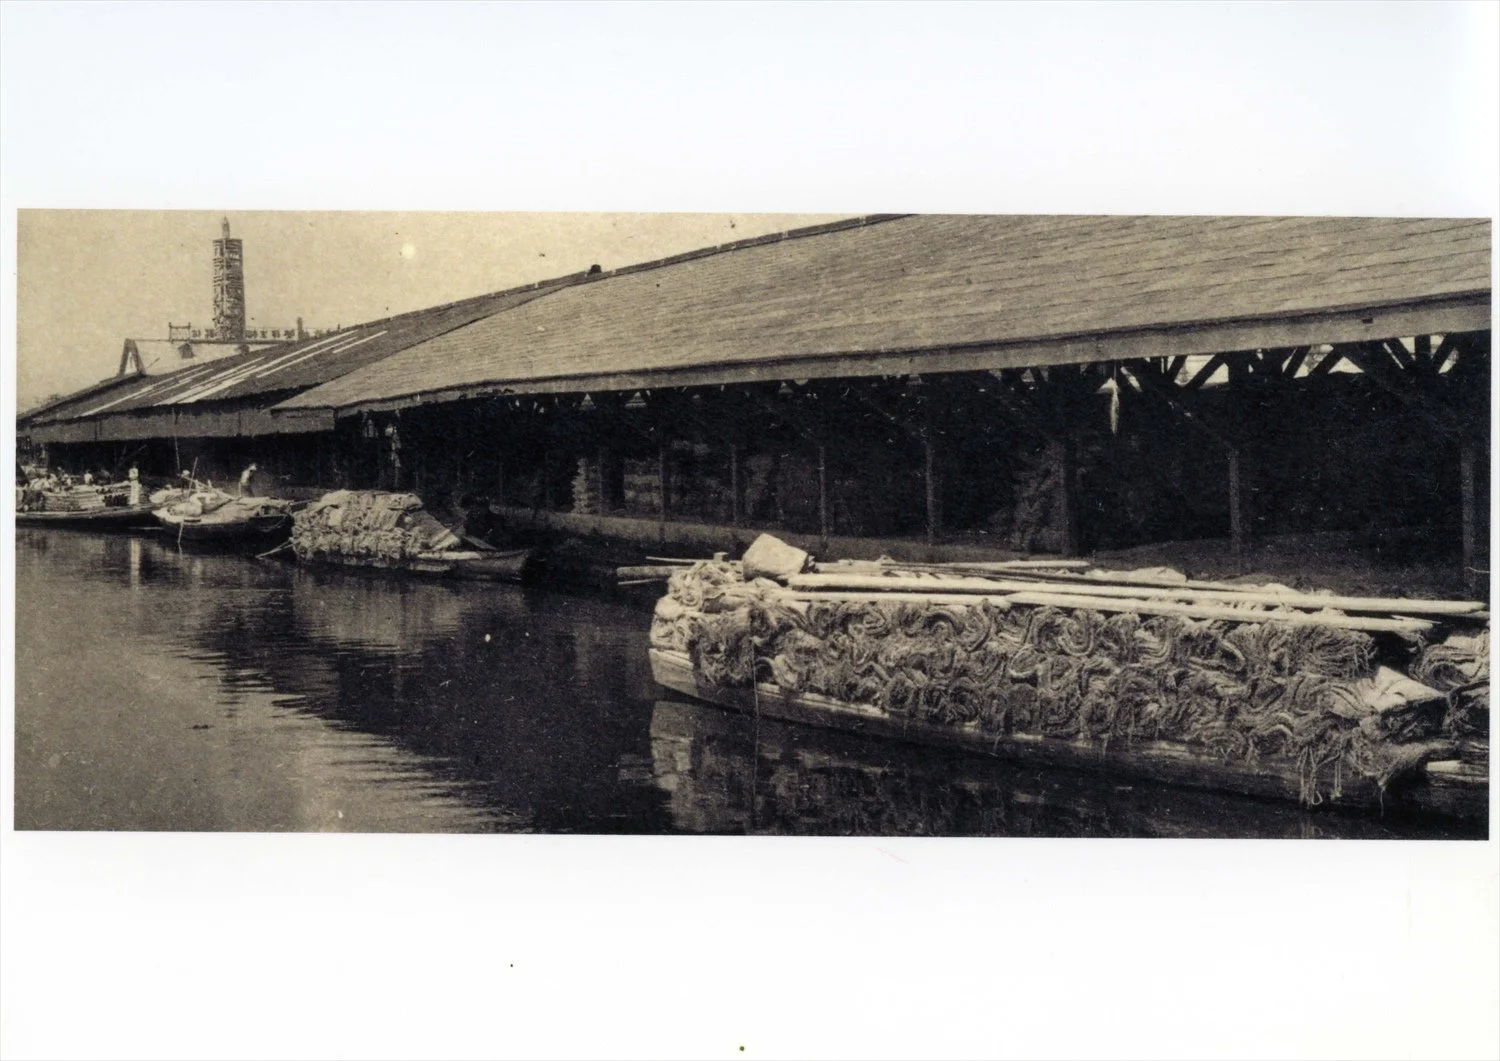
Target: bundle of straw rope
{"type": "Point", "coordinates": [368, 527]}
{"type": "Point", "coordinates": [1273, 685]}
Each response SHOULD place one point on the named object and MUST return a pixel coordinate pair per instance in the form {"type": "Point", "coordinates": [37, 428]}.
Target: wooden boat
{"type": "Point", "coordinates": [721, 775]}
{"type": "Point", "coordinates": [94, 507]}
{"type": "Point", "coordinates": [221, 518]}
{"type": "Point", "coordinates": [500, 565]}
{"type": "Point", "coordinates": [474, 565]}
{"type": "Point", "coordinates": [388, 531]}
{"type": "Point", "coordinates": [1454, 788]}
{"type": "Point", "coordinates": [1255, 690]}
{"type": "Point", "coordinates": [121, 517]}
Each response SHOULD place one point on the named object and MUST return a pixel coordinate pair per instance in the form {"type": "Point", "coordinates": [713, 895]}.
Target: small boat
{"type": "Point", "coordinates": [119, 517]}
{"type": "Point", "coordinates": [79, 507]}
{"type": "Point", "coordinates": [474, 565]}
{"type": "Point", "coordinates": [217, 517]}
{"type": "Point", "coordinates": [394, 532]}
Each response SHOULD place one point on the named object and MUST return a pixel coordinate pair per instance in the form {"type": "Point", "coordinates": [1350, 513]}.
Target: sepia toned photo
{"type": "Point", "coordinates": [854, 525]}
{"type": "Point", "coordinates": [739, 530]}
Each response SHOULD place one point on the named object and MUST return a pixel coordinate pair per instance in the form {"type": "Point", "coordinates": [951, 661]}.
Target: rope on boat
{"type": "Point", "coordinates": [1249, 690]}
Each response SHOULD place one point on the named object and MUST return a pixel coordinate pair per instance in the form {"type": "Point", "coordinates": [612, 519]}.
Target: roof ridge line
{"type": "Point", "coordinates": [588, 276]}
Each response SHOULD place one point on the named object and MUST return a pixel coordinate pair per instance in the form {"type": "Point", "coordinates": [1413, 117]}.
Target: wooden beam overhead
{"type": "Point", "coordinates": [1183, 402]}
{"type": "Point", "coordinates": [1376, 362]}
{"type": "Point", "coordinates": [1204, 374]}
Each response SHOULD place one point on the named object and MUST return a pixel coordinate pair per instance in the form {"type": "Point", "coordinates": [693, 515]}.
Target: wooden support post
{"type": "Point", "coordinates": [662, 506]}
{"type": "Point", "coordinates": [823, 520]}
{"type": "Point", "coordinates": [1467, 486]}
{"type": "Point", "coordinates": [735, 489]}
{"type": "Point", "coordinates": [1236, 514]}
{"type": "Point", "coordinates": [931, 485]}
{"type": "Point", "coordinates": [500, 480]}
{"type": "Point", "coordinates": [601, 480]}
{"type": "Point", "coordinates": [929, 476]}
{"type": "Point", "coordinates": [1069, 500]}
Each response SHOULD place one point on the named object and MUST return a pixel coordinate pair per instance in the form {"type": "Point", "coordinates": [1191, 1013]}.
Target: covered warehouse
{"type": "Point", "coordinates": [993, 382]}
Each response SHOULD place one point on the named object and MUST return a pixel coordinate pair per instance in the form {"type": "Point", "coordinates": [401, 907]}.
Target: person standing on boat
{"type": "Point", "coordinates": [245, 477]}
{"type": "Point", "coordinates": [135, 486]}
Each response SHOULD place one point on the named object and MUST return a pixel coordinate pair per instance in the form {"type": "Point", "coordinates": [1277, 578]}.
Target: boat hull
{"type": "Point", "coordinates": [512, 566]}
{"type": "Point", "coordinates": [191, 529]}
{"type": "Point", "coordinates": [1454, 793]}
{"type": "Point", "coordinates": [114, 518]}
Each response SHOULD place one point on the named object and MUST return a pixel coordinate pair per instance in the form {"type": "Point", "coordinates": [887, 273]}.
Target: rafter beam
{"type": "Point", "coordinates": [1376, 364]}
{"type": "Point", "coordinates": [1182, 403]}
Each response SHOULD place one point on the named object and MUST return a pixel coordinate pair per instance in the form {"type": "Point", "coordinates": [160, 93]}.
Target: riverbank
{"type": "Point", "coordinates": [585, 550]}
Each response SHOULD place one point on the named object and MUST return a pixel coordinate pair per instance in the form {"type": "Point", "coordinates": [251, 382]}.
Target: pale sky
{"type": "Point", "coordinates": [88, 279]}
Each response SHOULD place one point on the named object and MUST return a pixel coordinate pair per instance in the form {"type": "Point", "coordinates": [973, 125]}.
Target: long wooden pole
{"type": "Point", "coordinates": [1143, 606]}
{"type": "Point", "coordinates": [981, 586]}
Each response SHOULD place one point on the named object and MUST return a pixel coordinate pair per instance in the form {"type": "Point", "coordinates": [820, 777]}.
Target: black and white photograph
{"type": "Point", "coordinates": [886, 525]}
{"type": "Point", "coordinates": [749, 530]}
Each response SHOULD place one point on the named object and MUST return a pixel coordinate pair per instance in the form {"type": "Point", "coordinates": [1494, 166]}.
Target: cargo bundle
{"type": "Point", "coordinates": [1251, 688]}
{"type": "Point", "coordinates": [371, 528]}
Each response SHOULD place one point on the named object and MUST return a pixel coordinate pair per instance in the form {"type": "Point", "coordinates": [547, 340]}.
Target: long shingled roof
{"type": "Point", "coordinates": [922, 284]}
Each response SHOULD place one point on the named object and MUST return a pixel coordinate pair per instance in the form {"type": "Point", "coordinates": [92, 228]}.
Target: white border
{"type": "Point", "coordinates": [167, 946]}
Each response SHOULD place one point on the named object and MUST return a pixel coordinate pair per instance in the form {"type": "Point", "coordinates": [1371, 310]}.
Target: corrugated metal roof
{"type": "Point", "coordinates": [160, 356]}
{"type": "Point", "coordinates": [287, 366]}
{"type": "Point", "coordinates": [932, 283]}
{"type": "Point", "coordinates": [39, 412]}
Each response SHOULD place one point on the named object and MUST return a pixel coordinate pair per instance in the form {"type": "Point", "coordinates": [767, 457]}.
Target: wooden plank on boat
{"type": "Point", "coordinates": [646, 572]}
{"type": "Point", "coordinates": [957, 567]}
{"type": "Point", "coordinates": [1465, 610]}
{"type": "Point", "coordinates": [1304, 601]}
{"type": "Point", "coordinates": [936, 595]}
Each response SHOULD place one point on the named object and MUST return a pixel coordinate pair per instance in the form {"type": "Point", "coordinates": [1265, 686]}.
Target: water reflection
{"type": "Point", "coordinates": [158, 689]}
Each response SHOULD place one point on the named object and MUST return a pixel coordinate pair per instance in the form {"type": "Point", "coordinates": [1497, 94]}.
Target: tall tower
{"type": "Point", "coordinates": [229, 286]}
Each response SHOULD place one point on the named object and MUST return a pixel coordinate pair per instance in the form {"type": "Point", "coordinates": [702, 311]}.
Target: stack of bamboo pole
{"type": "Point", "coordinates": [1073, 584]}
{"type": "Point", "coordinates": [1008, 584]}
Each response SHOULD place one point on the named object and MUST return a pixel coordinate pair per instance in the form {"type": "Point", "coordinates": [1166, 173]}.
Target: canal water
{"type": "Point", "coordinates": [159, 689]}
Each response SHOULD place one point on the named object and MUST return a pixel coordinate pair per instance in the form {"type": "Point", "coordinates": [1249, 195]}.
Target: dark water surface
{"type": "Point", "coordinates": [159, 690]}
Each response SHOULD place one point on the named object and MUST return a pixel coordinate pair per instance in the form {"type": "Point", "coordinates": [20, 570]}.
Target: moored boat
{"type": "Point", "coordinates": [121, 517]}
{"type": "Point", "coordinates": [394, 532]}
{"type": "Point", "coordinates": [1257, 690]}
{"type": "Point", "coordinates": [48, 503]}
{"type": "Point", "coordinates": [217, 517]}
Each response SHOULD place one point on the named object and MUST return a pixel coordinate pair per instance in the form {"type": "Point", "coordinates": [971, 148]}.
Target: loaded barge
{"type": "Point", "coordinates": [1250, 689]}
{"type": "Point", "coordinates": [394, 532]}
